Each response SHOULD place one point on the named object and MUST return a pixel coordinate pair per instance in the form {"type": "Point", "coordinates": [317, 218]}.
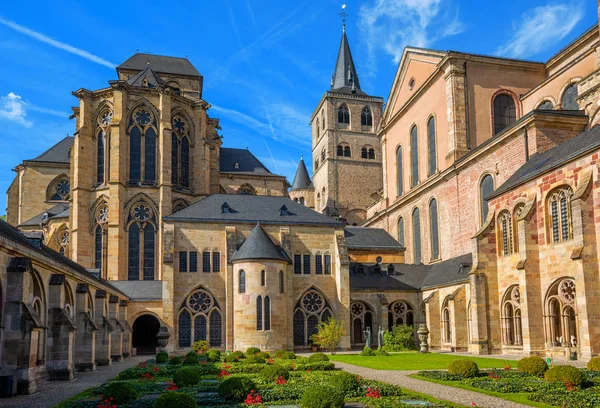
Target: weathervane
{"type": "Point", "coordinates": [344, 15]}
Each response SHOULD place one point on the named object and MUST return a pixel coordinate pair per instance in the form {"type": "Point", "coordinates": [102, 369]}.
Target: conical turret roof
{"type": "Point", "coordinates": [345, 78]}
{"type": "Point", "coordinates": [302, 180]}
{"type": "Point", "coordinates": [258, 245]}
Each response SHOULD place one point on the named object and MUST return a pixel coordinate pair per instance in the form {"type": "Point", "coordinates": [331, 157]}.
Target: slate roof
{"type": "Point", "coordinates": [370, 238]}
{"type": "Point", "coordinates": [160, 63]}
{"type": "Point", "coordinates": [302, 179]}
{"type": "Point", "coordinates": [10, 232]}
{"type": "Point", "coordinates": [248, 163]}
{"type": "Point", "coordinates": [60, 210]}
{"type": "Point", "coordinates": [258, 245]}
{"type": "Point", "coordinates": [411, 277]}
{"type": "Point", "coordinates": [556, 157]}
{"type": "Point", "coordinates": [59, 153]}
{"type": "Point", "coordinates": [140, 290]}
{"type": "Point", "coordinates": [345, 78]}
{"type": "Point", "coordinates": [148, 73]}
{"type": "Point", "coordinates": [251, 209]}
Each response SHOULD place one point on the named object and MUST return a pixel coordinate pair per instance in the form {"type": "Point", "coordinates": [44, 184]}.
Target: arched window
{"type": "Point", "coordinates": [174, 159]}
{"type": "Point", "coordinates": [102, 132]}
{"type": "Point", "coordinates": [281, 282]}
{"type": "Point", "coordinates": [568, 101]}
{"type": "Point", "coordinates": [185, 163]}
{"type": "Point", "coordinates": [366, 117]}
{"type": "Point", "coordinates": [262, 278]}
{"type": "Point", "coordinates": [414, 157]}
{"type": "Point", "coordinates": [435, 240]}
{"type": "Point", "coordinates": [546, 105]}
{"type": "Point", "coordinates": [340, 150]}
{"type": "Point", "coordinates": [431, 151]}
{"type": "Point", "coordinates": [259, 313]}
{"type": "Point", "coordinates": [267, 313]}
{"type": "Point", "coordinates": [242, 282]}
{"type": "Point", "coordinates": [485, 188]}
{"type": "Point", "coordinates": [309, 311]}
{"type": "Point", "coordinates": [323, 152]}
{"type": "Point", "coordinates": [399, 175]}
{"type": "Point", "coordinates": [59, 189]}
{"type": "Point", "coordinates": [247, 189]}
{"type": "Point", "coordinates": [347, 152]}
{"type": "Point", "coordinates": [200, 329]}
{"type": "Point", "coordinates": [400, 313]}
{"type": "Point", "coordinates": [216, 329]}
{"type": "Point", "coordinates": [560, 314]}
{"type": "Point", "coordinates": [416, 236]}
{"type": "Point", "coordinates": [401, 231]}
{"type": "Point", "coordinates": [316, 163]}
{"type": "Point", "coordinates": [506, 231]}
{"type": "Point", "coordinates": [371, 154]}
{"type": "Point", "coordinates": [511, 317]}
{"type": "Point", "coordinates": [185, 329]}
{"type": "Point", "coordinates": [142, 143]}
{"type": "Point", "coordinates": [302, 201]}
{"type": "Point", "coordinates": [142, 242]}
{"type": "Point", "coordinates": [343, 114]}
{"type": "Point", "coordinates": [204, 307]}
{"type": "Point", "coordinates": [559, 207]}
{"type": "Point", "coordinates": [363, 153]}
{"type": "Point", "coordinates": [361, 317]}
{"type": "Point", "coordinates": [180, 152]}
{"type": "Point", "coordinates": [505, 112]}
{"type": "Point", "coordinates": [100, 238]}
{"type": "Point", "coordinates": [317, 127]}
{"type": "Point", "coordinates": [446, 322]}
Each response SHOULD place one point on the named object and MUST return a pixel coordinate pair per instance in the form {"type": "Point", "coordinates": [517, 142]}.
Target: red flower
{"type": "Point", "coordinates": [172, 387]}
{"type": "Point", "coordinates": [270, 361]}
{"type": "Point", "coordinates": [223, 373]}
{"type": "Point", "coordinates": [308, 370]}
{"type": "Point", "coordinates": [373, 393]}
{"type": "Point", "coordinates": [507, 367]}
{"type": "Point", "coordinates": [107, 403]}
{"type": "Point", "coordinates": [570, 387]}
{"type": "Point", "coordinates": [493, 375]}
{"type": "Point", "coordinates": [147, 376]}
{"type": "Point", "coordinates": [142, 365]}
{"type": "Point", "coordinates": [358, 378]}
{"type": "Point", "coordinates": [281, 380]}
{"type": "Point", "coordinates": [155, 369]}
{"type": "Point", "coordinates": [226, 366]}
{"type": "Point", "coordinates": [253, 398]}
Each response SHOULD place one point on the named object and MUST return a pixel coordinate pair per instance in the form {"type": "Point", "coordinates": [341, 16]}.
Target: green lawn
{"type": "Point", "coordinates": [415, 361]}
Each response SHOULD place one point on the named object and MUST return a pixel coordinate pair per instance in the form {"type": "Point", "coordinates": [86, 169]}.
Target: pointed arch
{"type": "Point", "coordinates": [141, 242]}
{"type": "Point", "coordinates": [560, 313]}
{"type": "Point", "coordinates": [343, 114]}
{"type": "Point", "coordinates": [142, 128]}
{"type": "Point", "coordinates": [59, 189]}
{"type": "Point", "coordinates": [207, 322]}
{"type": "Point", "coordinates": [366, 117]}
{"type": "Point", "coordinates": [312, 306]}
{"type": "Point", "coordinates": [247, 189]}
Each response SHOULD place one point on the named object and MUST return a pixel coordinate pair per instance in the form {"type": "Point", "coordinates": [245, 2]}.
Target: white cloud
{"type": "Point", "coordinates": [56, 44]}
{"type": "Point", "coordinates": [541, 28]}
{"type": "Point", "coordinates": [391, 25]}
{"type": "Point", "coordinates": [12, 107]}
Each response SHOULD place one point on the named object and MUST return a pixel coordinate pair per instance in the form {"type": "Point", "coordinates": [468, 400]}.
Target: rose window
{"type": "Point", "coordinates": [358, 309]}
{"type": "Point", "coordinates": [106, 118]}
{"type": "Point", "coordinates": [516, 295]}
{"type": "Point", "coordinates": [143, 117]}
{"type": "Point", "coordinates": [63, 188]}
{"type": "Point", "coordinates": [200, 302]}
{"type": "Point", "coordinates": [566, 290]}
{"type": "Point", "coordinates": [141, 213]}
{"type": "Point", "coordinates": [313, 302]}
{"type": "Point", "coordinates": [179, 125]}
{"type": "Point", "coordinates": [102, 215]}
{"type": "Point", "coordinates": [399, 308]}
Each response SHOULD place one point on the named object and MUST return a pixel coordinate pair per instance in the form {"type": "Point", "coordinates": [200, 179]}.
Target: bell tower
{"type": "Point", "coordinates": [346, 150]}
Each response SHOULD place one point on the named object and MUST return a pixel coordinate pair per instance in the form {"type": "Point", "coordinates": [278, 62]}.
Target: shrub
{"type": "Point", "coordinates": [191, 358]}
{"type": "Point", "coordinates": [345, 382]}
{"type": "Point", "coordinates": [162, 357]}
{"type": "Point", "coordinates": [187, 376]}
{"type": "Point", "coordinates": [200, 345]}
{"type": "Point", "coordinates": [173, 399]}
{"type": "Point", "coordinates": [288, 355]}
{"type": "Point", "coordinates": [322, 396]}
{"type": "Point", "coordinates": [465, 367]}
{"type": "Point", "coordinates": [255, 359]}
{"type": "Point", "coordinates": [401, 337]}
{"type": "Point", "coordinates": [280, 353]}
{"type": "Point", "coordinates": [175, 360]}
{"type": "Point", "coordinates": [315, 358]}
{"type": "Point", "coordinates": [121, 392]}
{"type": "Point", "coordinates": [236, 388]}
{"type": "Point", "coordinates": [368, 352]}
{"type": "Point", "coordinates": [272, 372]}
{"type": "Point", "coordinates": [232, 358]}
{"type": "Point", "coordinates": [263, 354]}
{"type": "Point", "coordinates": [381, 352]}
{"type": "Point", "coordinates": [252, 351]}
{"type": "Point", "coordinates": [564, 374]}
{"type": "Point", "coordinates": [532, 365]}
{"type": "Point", "coordinates": [213, 355]}
{"type": "Point", "coordinates": [328, 334]}
{"type": "Point", "coordinates": [594, 364]}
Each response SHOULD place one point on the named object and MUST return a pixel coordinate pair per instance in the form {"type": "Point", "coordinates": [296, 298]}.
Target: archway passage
{"type": "Point", "coordinates": [145, 329]}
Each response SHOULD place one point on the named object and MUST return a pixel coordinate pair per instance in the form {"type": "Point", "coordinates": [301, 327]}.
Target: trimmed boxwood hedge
{"type": "Point", "coordinates": [187, 376]}
{"type": "Point", "coordinates": [173, 399]}
{"type": "Point", "coordinates": [236, 388]}
{"type": "Point", "coordinates": [464, 367]}
{"type": "Point", "coordinates": [322, 396]}
{"type": "Point", "coordinates": [565, 374]}
{"type": "Point", "coordinates": [533, 365]}
{"type": "Point", "coordinates": [272, 372]}
{"type": "Point", "coordinates": [318, 357]}
{"type": "Point", "coordinates": [121, 392]}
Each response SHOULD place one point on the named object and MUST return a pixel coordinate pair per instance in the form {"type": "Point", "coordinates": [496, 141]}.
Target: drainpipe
{"type": "Point", "coordinates": [526, 144]}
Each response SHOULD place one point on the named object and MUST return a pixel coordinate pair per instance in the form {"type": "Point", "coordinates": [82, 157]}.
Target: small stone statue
{"type": "Point", "coordinates": [380, 337]}
{"type": "Point", "coordinates": [368, 337]}
{"type": "Point", "coordinates": [573, 341]}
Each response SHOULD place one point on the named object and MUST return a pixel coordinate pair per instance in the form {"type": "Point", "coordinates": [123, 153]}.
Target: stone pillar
{"type": "Point", "coordinates": [455, 77]}
{"type": "Point", "coordinates": [85, 335]}
{"type": "Point", "coordinates": [105, 329]}
{"type": "Point", "coordinates": [21, 328]}
{"type": "Point", "coordinates": [126, 329]}
{"type": "Point", "coordinates": [59, 364]}
{"type": "Point", "coordinates": [341, 266]}
{"type": "Point", "coordinates": [116, 338]}
{"type": "Point", "coordinates": [230, 233]}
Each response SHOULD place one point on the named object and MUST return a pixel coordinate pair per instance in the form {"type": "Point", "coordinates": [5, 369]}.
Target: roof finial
{"type": "Point", "coordinates": [301, 156]}
{"type": "Point", "coordinates": [344, 15]}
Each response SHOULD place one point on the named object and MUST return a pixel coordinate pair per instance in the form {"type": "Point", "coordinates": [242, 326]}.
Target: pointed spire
{"type": "Point", "coordinates": [302, 179]}
{"type": "Point", "coordinates": [345, 78]}
{"type": "Point", "coordinates": [258, 245]}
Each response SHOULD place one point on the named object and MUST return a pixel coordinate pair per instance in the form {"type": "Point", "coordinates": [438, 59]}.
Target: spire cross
{"type": "Point", "coordinates": [343, 14]}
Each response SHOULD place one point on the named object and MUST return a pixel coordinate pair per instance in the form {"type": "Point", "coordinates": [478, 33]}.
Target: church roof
{"type": "Point", "coordinates": [60, 210]}
{"type": "Point", "coordinates": [258, 245]}
{"type": "Point", "coordinates": [59, 153]}
{"type": "Point", "coordinates": [370, 238]}
{"type": "Point", "coordinates": [246, 161]}
{"type": "Point", "coordinates": [160, 63]}
{"type": "Point", "coordinates": [249, 209]}
{"type": "Point", "coordinates": [150, 75]}
{"type": "Point", "coordinates": [302, 179]}
{"type": "Point", "coordinates": [345, 78]}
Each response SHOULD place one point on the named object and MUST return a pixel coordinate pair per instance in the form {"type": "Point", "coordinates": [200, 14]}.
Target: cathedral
{"type": "Point", "coordinates": [469, 203]}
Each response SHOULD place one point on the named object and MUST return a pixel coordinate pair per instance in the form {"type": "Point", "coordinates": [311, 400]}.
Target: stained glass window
{"type": "Point", "coordinates": [150, 156]}
{"type": "Point", "coordinates": [193, 261]}
{"type": "Point", "coordinates": [414, 157]}
{"type": "Point", "coordinates": [267, 313]}
{"type": "Point", "coordinates": [215, 329]}
{"type": "Point", "coordinates": [306, 262]}
{"type": "Point", "coordinates": [505, 112]}
{"type": "Point", "coordinates": [98, 248]}
{"type": "Point", "coordinates": [486, 188]}
{"type": "Point", "coordinates": [200, 328]}
{"type": "Point", "coordinates": [174, 159]}
{"type": "Point", "coordinates": [185, 329]}
{"type": "Point", "coordinates": [311, 325]}
{"type": "Point", "coordinates": [432, 147]}
{"type": "Point", "coordinates": [507, 236]}
{"type": "Point", "coordinates": [401, 231]}
{"type": "Point", "coordinates": [366, 118]}
{"type": "Point", "coordinates": [417, 236]}
{"type": "Point", "coordinates": [569, 98]}
{"type": "Point", "coordinates": [185, 162]}
{"type": "Point", "coordinates": [435, 243]}
{"type": "Point", "coordinates": [216, 266]}
{"type": "Point", "coordinates": [259, 311]}
{"type": "Point", "coordinates": [560, 215]}
{"type": "Point", "coordinates": [399, 176]}
{"type": "Point", "coordinates": [546, 105]}
{"type": "Point", "coordinates": [299, 337]}
{"type": "Point", "coordinates": [242, 282]}
{"type": "Point", "coordinates": [319, 264]}
{"type": "Point", "coordinates": [205, 261]}
{"type": "Point", "coordinates": [100, 158]}
{"type": "Point", "coordinates": [135, 154]}
{"type": "Point", "coordinates": [343, 114]}
{"type": "Point", "coordinates": [149, 252]}
{"type": "Point", "coordinates": [134, 252]}
{"type": "Point", "coordinates": [327, 264]}
{"type": "Point", "coordinates": [183, 262]}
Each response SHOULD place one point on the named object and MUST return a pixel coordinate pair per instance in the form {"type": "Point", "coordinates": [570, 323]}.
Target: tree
{"type": "Point", "coordinates": [3, 217]}
{"type": "Point", "coordinates": [329, 334]}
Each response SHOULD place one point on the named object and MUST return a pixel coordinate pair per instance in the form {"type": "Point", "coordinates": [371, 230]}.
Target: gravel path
{"type": "Point", "coordinates": [443, 392]}
{"type": "Point", "coordinates": [51, 393]}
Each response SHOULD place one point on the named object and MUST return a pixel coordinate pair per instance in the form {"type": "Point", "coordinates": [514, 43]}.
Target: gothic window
{"type": "Point", "coordinates": [141, 242]}
{"type": "Point", "coordinates": [59, 189]}
{"type": "Point", "coordinates": [506, 231]}
{"type": "Point", "coordinates": [206, 261]}
{"type": "Point", "coordinates": [193, 261]}
{"type": "Point", "coordinates": [366, 117]}
{"type": "Point", "coordinates": [327, 259]}
{"type": "Point", "coordinates": [319, 264]}
{"type": "Point", "coordinates": [142, 146]}
{"type": "Point", "coordinates": [485, 188]}
{"type": "Point", "coordinates": [185, 329]}
{"type": "Point", "coordinates": [559, 205]}
{"type": "Point", "coordinates": [546, 105]}
{"type": "Point", "coordinates": [399, 178]}
{"type": "Point", "coordinates": [446, 322]}
{"type": "Point", "coordinates": [569, 98]}
{"type": "Point", "coordinates": [371, 154]}
{"type": "Point", "coordinates": [100, 238]}
{"type": "Point", "coordinates": [347, 152]}
{"type": "Point", "coordinates": [416, 236]}
{"type": "Point", "coordinates": [432, 153]}
{"type": "Point", "coordinates": [259, 313]}
{"type": "Point", "coordinates": [174, 159]}
{"type": "Point", "coordinates": [340, 150]}
{"type": "Point", "coordinates": [306, 264]}
{"type": "Point", "coordinates": [267, 313]}
{"type": "Point", "coordinates": [505, 112]}
{"type": "Point", "coordinates": [102, 131]}
{"type": "Point", "coordinates": [200, 329]}
{"type": "Point", "coordinates": [302, 200]}
{"type": "Point", "coordinates": [316, 163]}
{"type": "Point", "coordinates": [343, 114]}
{"type": "Point", "coordinates": [414, 157]}
{"type": "Point", "coordinates": [183, 261]}
{"type": "Point", "coordinates": [323, 152]}
{"type": "Point", "coordinates": [560, 314]}
{"type": "Point", "coordinates": [400, 313]}
{"type": "Point", "coordinates": [281, 282]}
{"type": "Point", "coordinates": [203, 308]}
{"type": "Point", "coordinates": [242, 282]}
{"type": "Point", "coordinates": [185, 163]}
{"type": "Point", "coordinates": [435, 240]}
{"type": "Point", "coordinates": [247, 189]}
{"type": "Point", "coordinates": [511, 317]}
{"type": "Point", "coordinates": [309, 311]}
{"type": "Point", "coordinates": [363, 153]}
{"type": "Point", "coordinates": [180, 152]}
{"type": "Point", "coordinates": [401, 231]}
{"type": "Point", "coordinates": [297, 264]}
{"type": "Point", "coordinates": [216, 325]}
{"type": "Point", "coordinates": [361, 317]}
{"type": "Point", "coordinates": [263, 278]}
{"type": "Point", "coordinates": [216, 266]}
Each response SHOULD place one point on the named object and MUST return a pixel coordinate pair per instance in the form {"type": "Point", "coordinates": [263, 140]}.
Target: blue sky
{"type": "Point", "coordinates": [265, 63]}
